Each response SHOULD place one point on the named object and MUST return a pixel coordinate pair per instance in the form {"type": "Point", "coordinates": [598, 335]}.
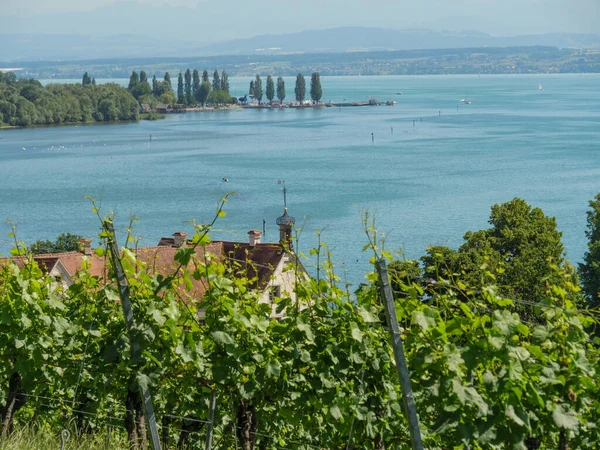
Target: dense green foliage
{"type": "Point", "coordinates": [315, 87]}
{"type": "Point", "coordinates": [300, 89]}
{"type": "Point", "coordinates": [322, 376]}
{"type": "Point", "coordinates": [589, 270]}
{"type": "Point", "coordinates": [522, 248]}
{"type": "Point", "coordinates": [65, 242]}
{"type": "Point", "coordinates": [25, 102]}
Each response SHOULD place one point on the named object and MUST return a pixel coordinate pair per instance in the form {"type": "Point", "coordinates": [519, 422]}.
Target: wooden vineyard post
{"type": "Point", "coordinates": [135, 346]}
{"type": "Point", "coordinates": [410, 409]}
{"type": "Point", "coordinates": [211, 419]}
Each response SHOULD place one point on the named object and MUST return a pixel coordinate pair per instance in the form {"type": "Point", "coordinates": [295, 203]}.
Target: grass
{"type": "Point", "coordinates": [40, 439]}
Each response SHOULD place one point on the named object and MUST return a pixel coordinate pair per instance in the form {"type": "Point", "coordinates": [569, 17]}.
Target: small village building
{"type": "Point", "coordinates": [272, 268]}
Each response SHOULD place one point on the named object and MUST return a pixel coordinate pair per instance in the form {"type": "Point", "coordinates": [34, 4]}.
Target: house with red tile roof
{"type": "Point", "coordinates": [272, 268]}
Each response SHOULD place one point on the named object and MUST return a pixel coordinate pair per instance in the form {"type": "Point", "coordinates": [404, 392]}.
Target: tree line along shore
{"type": "Point", "coordinates": [25, 102]}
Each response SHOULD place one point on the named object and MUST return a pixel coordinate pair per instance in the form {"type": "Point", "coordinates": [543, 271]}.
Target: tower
{"type": "Point", "coordinates": [285, 223]}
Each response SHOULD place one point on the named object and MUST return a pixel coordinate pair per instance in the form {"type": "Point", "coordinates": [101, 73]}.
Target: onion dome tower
{"type": "Point", "coordinates": [285, 223]}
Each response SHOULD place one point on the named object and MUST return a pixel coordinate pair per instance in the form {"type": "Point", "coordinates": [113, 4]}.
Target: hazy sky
{"type": "Point", "coordinates": [244, 18]}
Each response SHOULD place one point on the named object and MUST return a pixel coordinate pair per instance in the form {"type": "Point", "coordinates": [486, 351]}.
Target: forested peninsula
{"type": "Point", "coordinates": [26, 102]}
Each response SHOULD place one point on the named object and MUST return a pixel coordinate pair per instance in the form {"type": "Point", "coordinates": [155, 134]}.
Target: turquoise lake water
{"type": "Point", "coordinates": [428, 183]}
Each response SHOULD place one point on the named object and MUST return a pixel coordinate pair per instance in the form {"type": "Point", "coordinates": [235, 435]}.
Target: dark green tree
{"type": "Point", "coordinates": [315, 87]}
{"type": "Point", "coordinates": [167, 78]}
{"type": "Point", "coordinates": [258, 90]}
{"type": "Point", "coordinates": [180, 95]}
{"type": "Point", "coordinates": [521, 250]}
{"type": "Point", "coordinates": [133, 80]}
{"type": "Point", "coordinates": [205, 76]}
{"type": "Point", "coordinates": [203, 92]}
{"type": "Point", "coordinates": [94, 81]}
{"type": "Point", "coordinates": [188, 87]}
{"type": "Point", "coordinates": [216, 83]}
{"type": "Point", "coordinates": [251, 90]}
{"type": "Point", "coordinates": [589, 270]}
{"type": "Point", "coordinates": [195, 82]}
{"type": "Point", "coordinates": [300, 89]}
{"type": "Point", "coordinates": [86, 79]}
{"type": "Point", "coordinates": [143, 77]}
{"type": "Point", "coordinates": [65, 242]}
{"type": "Point", "coordinates": [270, 91]}
{"type": "Point", "coordinates": [225, 82]}
{"type": "Point", "coordinates": [141, 89]}
{"type": "Point", "coordinates": [280, 89]}
{"type": "Point", "coordinates": [154, 84]}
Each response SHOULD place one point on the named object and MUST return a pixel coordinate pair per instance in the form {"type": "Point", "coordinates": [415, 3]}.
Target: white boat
{"type": "Point", "coordinates": [540, 87]}
{"type": "Point", "coordinates": [466, 101]}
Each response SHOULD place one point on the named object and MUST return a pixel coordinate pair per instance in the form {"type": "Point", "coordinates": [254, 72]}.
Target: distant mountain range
{"type": "Point", "coordinates": [52, 47]}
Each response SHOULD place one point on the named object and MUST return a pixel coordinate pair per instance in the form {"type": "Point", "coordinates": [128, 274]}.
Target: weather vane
{"type": "Point", "coordinates": [284, 193]}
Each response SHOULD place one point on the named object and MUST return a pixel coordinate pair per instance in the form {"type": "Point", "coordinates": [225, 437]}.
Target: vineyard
{"type": "Point", "coordinates": [223, 374]}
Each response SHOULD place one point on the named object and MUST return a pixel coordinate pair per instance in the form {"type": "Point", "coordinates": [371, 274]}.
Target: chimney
{"type": "Point", "coordinates": [86, 246]}
{"type": "Point", "coordinates": [179, 238]}
{"type": "Point", "coordinates": [254, 237]}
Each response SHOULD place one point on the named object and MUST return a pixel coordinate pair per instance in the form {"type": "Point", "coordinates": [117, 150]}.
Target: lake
{"type": "Point", "coordinates": [428, 182]}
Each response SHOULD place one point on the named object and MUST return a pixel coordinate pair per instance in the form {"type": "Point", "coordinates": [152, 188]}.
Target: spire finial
{"type": "Point", "coordinates": [284, 193]}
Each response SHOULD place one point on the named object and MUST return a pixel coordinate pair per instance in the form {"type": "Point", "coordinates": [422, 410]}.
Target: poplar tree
{"type": "Point", "coordinates": [143, 77]}
{"type": "Point", "coordinates": [180, 97]}
{"type": "Point", "coordinates": [315, 87]}
{"type": "Point", "coordinates": [133, 80]}
{"type": "Point", "coordinates": [225, 82]}
{"type": "Point", "coordinates": [86, 79]}
{"type": "Point", "coordinates": [280, 89]}
{"type": "Point", "coordinates": [258, 90]}
{"type": "Point", "coordinates": [154, 84]}
{"type": "Point", "coordinates": [168, 79]}
{"type": "Point", "coordinates": [188, 87]}
{"type": "Point", "coordinates": [205, 76]}
{"type": "Point", "coordinates": [270, 92]}
{"type": "Point", "coordinates": [216, 83]}
{"type": "Point", "coordinates": [94, 81]}
{"type": "Point", "coordinates": [195, 82]}
{"type": "Point", "coordinates": [300, 89]}
{"type": "Point", "coordinates": [251, 91]}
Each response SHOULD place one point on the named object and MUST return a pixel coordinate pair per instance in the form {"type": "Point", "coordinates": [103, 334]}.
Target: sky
{"type": "Point", "coordinates": [220, 20]}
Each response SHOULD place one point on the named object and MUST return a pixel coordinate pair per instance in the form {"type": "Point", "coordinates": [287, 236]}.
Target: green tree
{"type": "Point", "coordinates": [280, 89]}
{"type": "Point", "coordinates": [300, 89]}
{"type": "Point", "coordinates": [205, 76]}
{"type": "Point", "coordinates": [180, 95]}
{"type": "Point", "coordinates": [251, 90]}
{"type": "Point", "coordinates": [589, 270]}
{"type": "Point", "coordinates": [167, 78]}
{"type": "Point", "coordinates": [224, 82]}
{"type": "Point", "coordinates": [86, 79]}
{"type": "Point", "coordinates": [94, 81]}
{"type": "Point", "coordinates": [270, 91]}
{"type": "Point", "coordinates": [216, 83]}
{"type": "Point", "coordinates": [143, 77]}
{"type": "Point", "coordinates": [154, 84]}
{"type": "Point", "coordinates": [133, 80]}
{"type": "Point", "coordinates": [258, 90]}
{"type": "Point", "coordinates": [141, 89]}
{"type": "Point", "coordinates": [203, 92]}
{"type": "Point", "coordinates": [195, 82]}
{"type": "Point", "coordinates": [315, 87]}
{"type": "Point", "coordinates": [65, 242]}
{"type": "Point", "coordinates": [188, 87]}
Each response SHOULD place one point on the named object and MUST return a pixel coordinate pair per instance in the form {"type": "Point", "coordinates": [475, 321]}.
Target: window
{"type": "Point", "coordinates": [274, 292]}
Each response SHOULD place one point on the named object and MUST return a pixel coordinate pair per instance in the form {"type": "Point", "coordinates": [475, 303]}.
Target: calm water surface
{"type": "Point", "coordinates": [428, 182]}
